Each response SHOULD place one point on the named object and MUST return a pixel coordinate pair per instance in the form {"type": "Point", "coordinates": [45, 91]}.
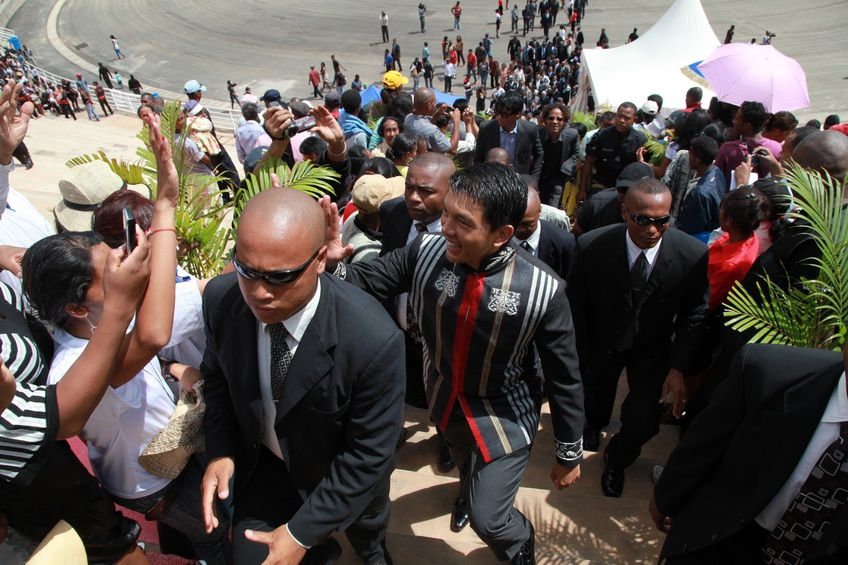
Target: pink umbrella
{"type": "Point", "coordinates": [741, 71]}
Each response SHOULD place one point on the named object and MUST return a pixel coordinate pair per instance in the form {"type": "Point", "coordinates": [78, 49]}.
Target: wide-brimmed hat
{"type": "Point", "coordinates": [168, 452]}
{"type": "Point", "coordinates": [83, 188]}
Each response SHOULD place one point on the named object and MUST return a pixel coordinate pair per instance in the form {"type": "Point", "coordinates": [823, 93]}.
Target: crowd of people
{"type": "Point", "coordinates": [476, 267]}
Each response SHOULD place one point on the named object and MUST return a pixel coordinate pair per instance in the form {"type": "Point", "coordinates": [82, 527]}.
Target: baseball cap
{"type": "Point", "coordinates": [333, 99]}
{"type": "Point", "coordinates": [193, 86]}
{"type": "Point", "coordinates": [633, 173]}
{"type": "Point", "coordinates": [372, 190]}
{"type": "Point", "coordinates": [393, 80]}
{"type": "Point", "coordinates": [271, 95]}
{"type": "Point", "coordinates": [650, 108]}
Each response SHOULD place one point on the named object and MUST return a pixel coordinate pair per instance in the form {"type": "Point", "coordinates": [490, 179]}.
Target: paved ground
{"type": "Point", "coordinates": [265, 44]}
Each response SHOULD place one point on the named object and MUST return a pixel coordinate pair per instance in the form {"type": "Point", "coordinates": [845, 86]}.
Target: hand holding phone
{"type": "Point", "coordinates": [129, 230]}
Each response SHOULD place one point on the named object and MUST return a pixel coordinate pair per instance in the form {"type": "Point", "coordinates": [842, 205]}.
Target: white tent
{"type": "Point", "coordinates": [652, 64]}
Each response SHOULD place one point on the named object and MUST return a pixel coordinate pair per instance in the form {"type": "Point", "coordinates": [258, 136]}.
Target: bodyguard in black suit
{"type": "Point", "coordinates": [769, 454]}
{"type": "Point", "coordinates": [304, 391]}
{"type": "Point", "coordinates": [550, 243]}
{"type": "Point", "coordinates": [639, 293]}
{"type": "Point", "coordinates": [519, 137]}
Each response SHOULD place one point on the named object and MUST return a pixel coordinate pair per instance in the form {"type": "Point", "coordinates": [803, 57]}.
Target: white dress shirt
{"type": "Point", "coordinates": [533, 240]}
{"type": "Point", "coordinates": [296, 325]}
{"type": "Point", "coordinates": [825, 434]}
{"type": "Point", "coordinates": [634, 250]}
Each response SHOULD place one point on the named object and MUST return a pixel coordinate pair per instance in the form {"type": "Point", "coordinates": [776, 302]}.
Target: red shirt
{"type": "Point", "coordinates": [471, 59]}
{"type": "Point", "coordinates": [728, 263]}
{"type": "Point", "coordinates": [453, 56]}
{"type": "Point", "coordinates": [314, 77]}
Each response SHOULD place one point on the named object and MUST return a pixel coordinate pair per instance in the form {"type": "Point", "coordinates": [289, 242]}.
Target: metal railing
{"type": "Point", "coordinates": [123, 100]}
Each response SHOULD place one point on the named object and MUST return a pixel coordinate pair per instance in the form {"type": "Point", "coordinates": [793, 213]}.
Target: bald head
{"type": "Point", "coordinates": [530, 220]}
{"type": "Point", "coordinates": [437, 162]}
{"type": "Point", "coordinates": [282, 215]}
{"type": "Point", "coordinates": [824, 151]}
{"type": "Point", "coordinates": [425, 98]}
{"type": "Point", "coordinates": [498, 155]}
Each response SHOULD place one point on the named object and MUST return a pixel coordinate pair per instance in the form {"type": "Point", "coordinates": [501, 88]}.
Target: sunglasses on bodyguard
{"type": "Point", "coordinates": [645, 221]}
{"type": "Point", "coordinates": [272, 277]}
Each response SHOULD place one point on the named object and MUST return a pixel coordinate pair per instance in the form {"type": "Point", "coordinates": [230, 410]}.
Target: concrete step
{"type": "Point", "coordinates": [420, 452]}
{"type": "Point", "coordinates": [570, 527]}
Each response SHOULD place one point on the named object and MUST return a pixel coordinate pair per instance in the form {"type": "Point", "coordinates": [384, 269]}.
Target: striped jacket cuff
{"type": "Point", "coordinates": [569, 454]}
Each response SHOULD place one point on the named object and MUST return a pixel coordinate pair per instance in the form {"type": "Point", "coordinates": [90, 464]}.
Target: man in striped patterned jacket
{"type": "Point", "coordinates": [484, 307]}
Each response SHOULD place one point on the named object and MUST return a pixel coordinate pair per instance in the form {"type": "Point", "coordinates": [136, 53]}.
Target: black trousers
{"type": "Point", "coordinates": [223, 165]}
{"type": "Point", "coordinates": [385, 31]}
{"type": "Point", "coordinates": [640, 412]}
{"type": "Point", "coordinates": [65, 490]}
{"type": "Point", "coordinates": [67, 111]}
{"type": "Point", "coordinates": [741, 548]}
{"type": "Point", "coordinates": [104, 105]}
{"type": "Point", "coordinates": [21, 153]}
{"type": "Point", "coordinates": [550, 192]}
{"type": "Point", "coordinates": [271, 499]}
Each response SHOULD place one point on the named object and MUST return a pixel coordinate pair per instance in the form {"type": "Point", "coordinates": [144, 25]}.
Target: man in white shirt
{"type": "Point", "coordinates": [250, 134]}
{"type": "Point", "coordinates": [762, 474]}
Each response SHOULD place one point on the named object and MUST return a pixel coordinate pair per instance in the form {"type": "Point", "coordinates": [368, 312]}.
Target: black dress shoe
{"type": "Point", "coordinates": [446, 462]}
{"type": "Point", "coordinates": [459, 516]}
{"type": "Point", "coordinates": [612, 481]}
{"type": "Point", "coordinates": [527, 554]}
{"type": "Point", "coordinates": [591, 438]}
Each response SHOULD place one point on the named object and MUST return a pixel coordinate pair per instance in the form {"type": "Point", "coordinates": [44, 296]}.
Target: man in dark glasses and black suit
{"type": "Point", "coordinates": [638, 294]}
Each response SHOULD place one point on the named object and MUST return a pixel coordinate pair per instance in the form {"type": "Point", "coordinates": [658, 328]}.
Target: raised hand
{"type": "Point", "coordinates": [167, 179]}
{"type": "Point", "coordinates": [327, 128]}
{"type": "Point", "coordinates": [336, 252]}
{"type": "Point", "coordinates": [124, 282]}
{"type": "Point", "coordinates": [13, 126]}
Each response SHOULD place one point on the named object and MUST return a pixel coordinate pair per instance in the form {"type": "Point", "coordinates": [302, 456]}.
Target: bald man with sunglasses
{"type": "Point", "coordinates": [304, 389]}
{"type": "Point", "coordinates": [639, 293]}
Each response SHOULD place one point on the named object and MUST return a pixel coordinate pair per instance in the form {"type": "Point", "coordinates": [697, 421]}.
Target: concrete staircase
{"type": "Point", "coordinates": [576, 525]}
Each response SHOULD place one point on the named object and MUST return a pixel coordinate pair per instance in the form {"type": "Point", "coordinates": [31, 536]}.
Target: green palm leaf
{"type": "Point", "coordinates": [811, 313]}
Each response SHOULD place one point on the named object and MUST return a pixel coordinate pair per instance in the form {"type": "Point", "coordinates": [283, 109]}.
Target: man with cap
{"type": "Point", "coordinates": [221, 161]}
{"type": "Point", "coordinates": [393, 82]}
{"type": "Point", "coordinates": [362, 228]}
{"type": "Point", "coordinates": [638, 293]}
{"type": "Point", "coordinates": [646, 116]}
{"type": "Point", "coordinates": [271, 96]}
{"type": "Point", "coordinates": [604, 208]}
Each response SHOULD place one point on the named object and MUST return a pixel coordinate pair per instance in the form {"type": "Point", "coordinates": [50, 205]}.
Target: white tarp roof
{"type": "Point", "coordinates": [652, 64]}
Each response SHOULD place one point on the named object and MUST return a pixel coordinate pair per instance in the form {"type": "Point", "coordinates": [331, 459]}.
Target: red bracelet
{"type": "Point", "coordinates": [157, 230]}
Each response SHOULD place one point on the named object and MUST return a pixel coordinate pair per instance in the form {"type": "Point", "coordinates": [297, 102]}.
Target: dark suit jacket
{"type": "Point", "coordinates": [528, 146]}
{"type": "Point", "coordinates": [342, 401]}
{"type": "Point", "coordinates": [395, 223]}
{"type": "Point", "coordinates": [569, 137]}
{"type": "Point", "coordinates": [670, 310]}
{"type": "Point", "coordinates": [556, 248]}
{"type": "Point", "coordinates": [741, 450]}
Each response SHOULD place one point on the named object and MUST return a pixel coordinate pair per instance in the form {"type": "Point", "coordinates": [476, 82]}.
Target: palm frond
{"type": "Point", "coordinates": [655, 149]}
{"type": "Point", "coordinates": [811, 313]}
{"type": "Point", "coordinates": [130, 173]}
{"type": "Point", "coordinates": [584, 118]}
{"type": "Point", "coordinates": [305, 176]}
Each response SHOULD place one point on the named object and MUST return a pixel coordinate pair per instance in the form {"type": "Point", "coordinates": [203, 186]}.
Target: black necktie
{"type": "Point", "coordinates": [526, 245]}
{"type": "Point", "coordinates": [811, 512]}
{"type": "Point", "coordinates": [422, 228]}
{"type": "Point", "coordinates": [281, 358]}
{"type": "Point", "coordinates": [638, 274]}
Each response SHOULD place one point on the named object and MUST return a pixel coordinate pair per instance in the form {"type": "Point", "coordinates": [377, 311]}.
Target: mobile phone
{"type": "Point", "coordinates": [129, 230]}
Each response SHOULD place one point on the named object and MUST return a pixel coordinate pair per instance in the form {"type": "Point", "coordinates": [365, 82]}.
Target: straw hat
{"type": "Point", "coordinates": [168, 452]}
{"type": "Point", "coordinates": [83, 188]}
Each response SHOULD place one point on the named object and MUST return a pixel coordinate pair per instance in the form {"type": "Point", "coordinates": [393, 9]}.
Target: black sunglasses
{"type": "Point", "coordinates": [272, 277]}
{"type": "Point", "coordinates": [644, 221]}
